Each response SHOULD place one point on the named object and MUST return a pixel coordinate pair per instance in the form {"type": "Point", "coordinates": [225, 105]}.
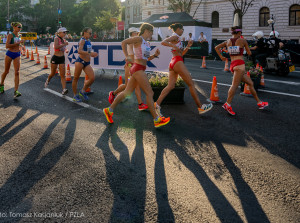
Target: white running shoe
{"type": "Point", "coordinates": [157, 109]}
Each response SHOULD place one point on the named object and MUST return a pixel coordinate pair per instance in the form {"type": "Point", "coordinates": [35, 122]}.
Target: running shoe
{"type": "Point", "coordinates": [111, 97]}
{"type": "Point", "coordinates": [161, 121]}
{"type": "Point", "coordinates": [262, 105]}
{"type": "Point", "coordinates": [157, 109]}
{"type": "Point", "coordinates": [84, 95]}
{"type": "Point", "coordinates": [65, 91]}
{"type": "Point", "coordinates": [46, 83]}
{"type": "Point", "coordinates": [77, 98]}
{"type": "Point", "coordinates": [228, 109]}
{"type": "Point", "coordinates": [108, 115]}
{"type": "Point", "coordinates": [205, 108]}
{"type": "Point", "coordinates": [143, 107]}
{"type": "Point", "coordinates": [1, 89]}
{"type": "Point", "coordinates": [17, 94]}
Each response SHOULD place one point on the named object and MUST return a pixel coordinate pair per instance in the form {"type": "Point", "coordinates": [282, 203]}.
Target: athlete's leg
{"type": "Point", "coordinates": [77, 72]}
{"type": "Point", "coordinates": [248, 81]}
{"type": "Point", "coordinates": [171, 85]}
{"type": "Point", "coordinates": [17, 64]}
{"type": "Point", "coordinates": [181, 69]}
{"type": "Point", "coordinates": [144, 84]}
{"type": "Point", "coordinates": [52, 72]}
{"type": "Point", "coordinates": [91, 75]}
{"type": "Point", "coordinates": [62, 71]}
{"type": "Point", "coordinates": [138, 94]}
{"type": "Point", "coordinates": [7, 63]}
{"type": "Point", "coordinates": [123, 86]}
{"type": "Point", "coordinates": [237, 78]}
{"type": "Point", "coordinates": [131, 85]}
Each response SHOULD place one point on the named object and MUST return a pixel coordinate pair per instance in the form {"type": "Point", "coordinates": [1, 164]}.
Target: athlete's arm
{"type": "Point", "coordinates": [167, 41]}
{"type": "Point", "coordinates": [133, 40]}
{"type": "Point", "coordinates": [155, 55]}
{"type": "Point", "coordinates": [80, 48]}
{"type": "Point", "coordinates": [218, 47]}
{"type": "Point", "coordinates": [247, 48]}
{"type": "Point", "coordinates": [190, 43]}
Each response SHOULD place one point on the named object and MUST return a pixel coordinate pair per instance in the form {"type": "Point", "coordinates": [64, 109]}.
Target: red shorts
{"type": "Point", "coordinates": [136, 67]}
{"type": "Point", "coordinates": [236, 63]}
{"type": "Point", "coordinates": [174, 61]}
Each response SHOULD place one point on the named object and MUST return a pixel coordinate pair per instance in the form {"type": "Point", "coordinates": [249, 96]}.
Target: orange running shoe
{"type": "Point", "coordinates": [228, 109]}
{"type": "Point", "coordinates": [161, 121]}
{"type": "Point", "coordinates": [108, 115]}
{"type": "Point", "coordinates": [143, 107]}
{"type": "Point", "coordinates": [262, 105]}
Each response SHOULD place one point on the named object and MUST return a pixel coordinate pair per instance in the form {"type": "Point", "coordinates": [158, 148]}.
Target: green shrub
{"type": "Point", "coordinates": [160, 79]}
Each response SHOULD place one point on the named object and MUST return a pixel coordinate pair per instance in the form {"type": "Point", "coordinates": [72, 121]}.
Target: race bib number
{"type": "Point", "coordinates": [234, 50]}
{"type": "Point", "coordinates": [89, 48]}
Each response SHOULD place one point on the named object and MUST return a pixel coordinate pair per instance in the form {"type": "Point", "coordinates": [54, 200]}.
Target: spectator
{"type": "Point", "coordinates": [104, 38]}
{"type": "Point", "coordinates": [95, 36]}
{"type": "Point", "coordinates": [190, 37]}
{"type": "Point", "coordinates": [202, 38]}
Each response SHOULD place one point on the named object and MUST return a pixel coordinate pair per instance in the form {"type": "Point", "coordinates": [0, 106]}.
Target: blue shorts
{"type": "Point", "coordinates": [84, 63]}
{"type": "Point", "coordinates": [13, 55]}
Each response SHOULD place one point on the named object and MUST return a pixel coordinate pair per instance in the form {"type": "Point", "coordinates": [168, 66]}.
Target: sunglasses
{"type": "Point", "coordinates": [20, 27]}
{"type": "Point", "coordinates": [182, 29]}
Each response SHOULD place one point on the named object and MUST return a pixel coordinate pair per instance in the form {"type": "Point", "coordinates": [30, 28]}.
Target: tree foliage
{"type": "Point", "coordinates": [180, 5]}
{"type": "Point", "coordinates": [75, 16]}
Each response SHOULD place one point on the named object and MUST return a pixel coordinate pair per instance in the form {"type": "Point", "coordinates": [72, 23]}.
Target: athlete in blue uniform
{"type": "Point", "coordinates": [83, 63]}
{"type": "Point", "coordinates": [13, 54]}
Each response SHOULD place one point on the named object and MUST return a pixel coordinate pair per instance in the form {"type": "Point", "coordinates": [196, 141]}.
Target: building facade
{"type": "Point", "coordinates": [221, 13]}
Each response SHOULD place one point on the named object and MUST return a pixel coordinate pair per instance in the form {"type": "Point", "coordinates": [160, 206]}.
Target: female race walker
{"type": "Point", "coordinates": [177, 67]}
{"type": "Point", "coordinates": [142, 54]}
{"type": "Point", "coordinates": [132, 33]}
{"type": "Point", "coordinates": [13, 54]}
{"type": "Point", "coordinates": [235, 47]}
{"type": "Point", "coordinates": [58, 59]}
{"type": "Point", "coordinates": [83, 63]}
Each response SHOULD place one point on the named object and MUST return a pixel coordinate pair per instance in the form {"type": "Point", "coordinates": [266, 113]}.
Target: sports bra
{"type": "Point", "coordinates": [130, 49]}
{"type": "Point", "coordinates": [235, 50]}
{"type": "Point", "coordinates": [60, 41]}
{"type": "Point", "coordinates": [87, 45]}
{"type": "Point", "coordinates": [143, 51]}
{"type": "Point", "coordinates": [15, 39]}
{"type": "Point", "coordinates": [178, 43]}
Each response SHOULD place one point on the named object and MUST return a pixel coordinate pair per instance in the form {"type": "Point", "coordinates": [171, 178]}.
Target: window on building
{"type": "Point", "coordinates": [149, 13]}
{"type": "Point", "coordinates": [145, 2]}
{"type": "Point", "coordinates": [215, 19]}
{"type": "Point", "coordinates": [264, 16]}
{"type": "Point", "coordinates": [295, 15]}
{"type": "Point", "coordinates": [239, 12]}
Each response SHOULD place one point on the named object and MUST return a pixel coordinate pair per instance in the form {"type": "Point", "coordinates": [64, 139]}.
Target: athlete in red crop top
{"type": "Point", "coordinates": [142, 54]}
{"type": "Point", "coordinates": [177, 67]}
{"type": "Point", "coordinates": [235, 47]}
{"type": "Point", "coordinates": [112, 94]}
{"type": "Point", "coordinates": [58, 59]}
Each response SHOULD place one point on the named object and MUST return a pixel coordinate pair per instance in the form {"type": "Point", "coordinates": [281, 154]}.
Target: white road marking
{"type": "Point", "coordinates": [272, 92]}
{"type": "Point", "coordinates": [71, 100]}
{"type": "Point", "coordinates": [283, 82]}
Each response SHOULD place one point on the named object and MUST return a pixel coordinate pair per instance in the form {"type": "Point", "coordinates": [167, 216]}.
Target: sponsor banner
{"type": "Point", "coordinates": [110, 56]}
{"type": "Point", "coordinates": [28, 36]}
{"type": "Point", "coordinates": [120, 25]}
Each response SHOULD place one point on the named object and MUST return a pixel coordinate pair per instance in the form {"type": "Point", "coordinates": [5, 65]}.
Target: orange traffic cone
{"type": "Point", "coordinates": [38, 58]}
{"type": "Point", "coordinates": [48, 50]}
{"type": "Point", "coordinates": [68, 75]}
{"type": "Point", "coordinates": [36, 50]}
{"type": "Point", "coordinates": [261, 69]}
{"type": "Point", "coordinates": [214, 94]}
{"type": "Point", "coordinates": [45, 63]}
{"type": "Point", "coordinates": [27, 55]}
{"type": "Point", "coordinates": [88, 90]}
{"type": "Point", "coordinates": [203, 63]}
{"type": "Point", "coordinates": [32, 57]}
{"type": "Point", "coordinates": [56, 72]}
{"type": "Point", "coordinates": [246, 88]}
{"type": "Point", "coordinates": [262, 81]}
{"type": "Point", "coordinates": [257, 66]}
{"type": "Point", "coordinates": [120, 81]}
{"type": "Point", "coordinates": [226, 69]}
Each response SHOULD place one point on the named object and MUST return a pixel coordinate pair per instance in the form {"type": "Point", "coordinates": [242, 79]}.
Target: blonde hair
{"type": "Point", "coordinates": [14, 24]}
{"type": "Point", "coordinates": [145, 26]}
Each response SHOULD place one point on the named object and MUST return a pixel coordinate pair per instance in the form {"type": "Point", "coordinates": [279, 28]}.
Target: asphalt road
{"type": "Point", "coordinates": [62, 162]}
